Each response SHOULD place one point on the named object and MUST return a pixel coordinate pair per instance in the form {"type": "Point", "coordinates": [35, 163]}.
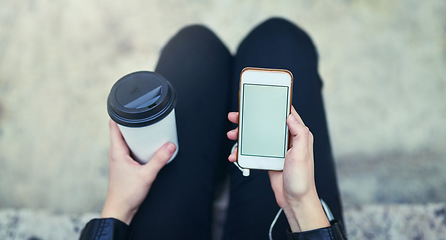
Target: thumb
{"type": "Point", "coordinates": [299, 134]}
{"type": "Point", "coordinates": [160, 159]}
{"type": "Point", "coordinates": [292, 122]}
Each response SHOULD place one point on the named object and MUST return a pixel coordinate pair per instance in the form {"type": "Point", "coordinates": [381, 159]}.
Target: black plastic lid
{"type": "Point", "coordinates": [140, 99]}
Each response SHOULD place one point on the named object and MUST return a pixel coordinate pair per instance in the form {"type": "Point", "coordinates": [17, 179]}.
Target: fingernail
{"type": "Point", "coordinates": [171, 147]}
{"type": "Point", "coordinates": [293, 118]}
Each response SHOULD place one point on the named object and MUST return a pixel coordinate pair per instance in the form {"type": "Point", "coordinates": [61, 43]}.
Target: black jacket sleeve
{"type": "Point", "coordinates": [113, 229]}
{"type": "Point", "coordinates": [334, 232]}
{"type": "Point", "coordinates": [104, 229]}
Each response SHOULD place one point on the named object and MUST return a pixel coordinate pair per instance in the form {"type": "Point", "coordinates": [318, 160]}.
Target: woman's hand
{"type": "Point", "coordinates": [294, 187]}
{"type": "Point", "coordinates": [128, 181]}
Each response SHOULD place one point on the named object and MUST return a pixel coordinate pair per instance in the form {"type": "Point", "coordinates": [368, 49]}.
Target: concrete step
{"type": "Point", "coordinates": [396, 221]}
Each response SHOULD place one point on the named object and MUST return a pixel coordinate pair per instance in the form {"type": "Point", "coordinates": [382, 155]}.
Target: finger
{"type": "Point", "coordinates": [233, 156]}
{"type": "Point", "coordinates": [310, 140]}
{"type": "Point", "coordinates": [117, 142]}
{"type": "Point", "coordinates": [290, 136]}
{"type": "Point", "coordinates": [310, 144]}
{"type": "Point", "coordinates": [233, 117]}
{"type": "Point", "coordinates": [294, 113]}
{"type": "Point", "coordinates": [276, 179]}
{"type": "Point", "coordinates": [160, 159]}
{"type": "Point", "coordinates": [233, 134]}
{"type": "Point", "coordinates": [299, 134]}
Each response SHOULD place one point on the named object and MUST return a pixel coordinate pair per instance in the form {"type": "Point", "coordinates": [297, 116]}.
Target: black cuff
{"type": "Point", "coordinates": [104, 229]}
{"type": "Point", "coordinates": [334, 232]}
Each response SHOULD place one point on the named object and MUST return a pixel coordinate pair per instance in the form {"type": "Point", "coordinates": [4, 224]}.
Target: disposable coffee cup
{"type": "Point", "coordinates": [143, 106]}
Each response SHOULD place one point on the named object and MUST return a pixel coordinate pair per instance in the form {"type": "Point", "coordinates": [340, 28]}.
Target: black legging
{"type": "Point", "coordinates": [205, 76]}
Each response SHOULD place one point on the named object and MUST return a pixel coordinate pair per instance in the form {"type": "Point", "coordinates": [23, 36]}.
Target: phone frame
{"type": "Point", "coordinates": [263, 76]}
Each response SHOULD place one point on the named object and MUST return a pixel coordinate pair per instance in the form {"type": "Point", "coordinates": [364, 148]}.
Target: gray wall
{"type": "Point", "coordinates": [383, 65]}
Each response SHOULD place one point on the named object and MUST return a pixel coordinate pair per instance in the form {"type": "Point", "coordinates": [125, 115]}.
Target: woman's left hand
{"type": "Point", "coordinates": [294, 187]}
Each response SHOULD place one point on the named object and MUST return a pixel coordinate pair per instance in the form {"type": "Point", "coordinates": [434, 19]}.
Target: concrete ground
{"type": "Point", "coordinates": [383, 65]}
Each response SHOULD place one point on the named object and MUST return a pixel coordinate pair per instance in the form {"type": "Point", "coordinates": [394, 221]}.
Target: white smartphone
{"type": "Point", "coordinates": [264, 105]}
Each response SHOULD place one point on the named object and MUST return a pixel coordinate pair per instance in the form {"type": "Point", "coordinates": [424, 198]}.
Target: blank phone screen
{"type": "Point", "coordinates": [263, 129]}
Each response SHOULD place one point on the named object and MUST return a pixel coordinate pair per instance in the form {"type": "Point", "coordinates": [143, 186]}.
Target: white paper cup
{"type": "Point", "coordinates": [145, 141]}
{"type": "Point", "coordinates": [143, 106]}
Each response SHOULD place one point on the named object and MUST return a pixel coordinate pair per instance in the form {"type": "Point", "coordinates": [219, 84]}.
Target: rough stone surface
{"type": "Point", "coordinates": [421, 222]}
{"type": "Point", "coordinates": [396, 222]}
{"type": "Point", "coordinates": [27, 224]}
